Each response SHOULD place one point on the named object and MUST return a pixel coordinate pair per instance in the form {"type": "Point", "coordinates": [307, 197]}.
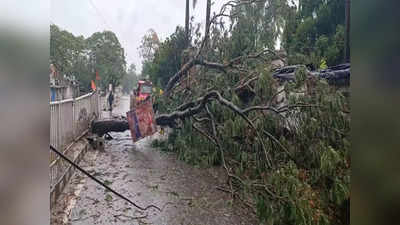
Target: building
{"type": "Point", "coordinates": [62, 87]}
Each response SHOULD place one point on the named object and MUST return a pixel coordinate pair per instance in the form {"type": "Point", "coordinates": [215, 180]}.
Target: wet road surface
{"type": "Point", "coordinates": [187, 195]}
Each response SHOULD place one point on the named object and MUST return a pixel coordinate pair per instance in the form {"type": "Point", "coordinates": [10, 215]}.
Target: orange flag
{"type": "Point", "coordinates": [93, 85]}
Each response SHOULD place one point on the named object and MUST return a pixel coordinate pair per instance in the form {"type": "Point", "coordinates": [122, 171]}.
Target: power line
{"type": "Point", "coordinates": [100, 15]}
{"type": "Point", "coordinates": [101, 183]}
{"type": "Point", "coordinates": [98, 12]}
{"type": "Point", "coordinates": [106, 24]}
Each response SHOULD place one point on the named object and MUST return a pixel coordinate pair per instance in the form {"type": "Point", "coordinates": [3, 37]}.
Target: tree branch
{"type": "Point", "coordinates": [205, 134]}
{"type": "Point", "coordinates": [167, 119]}
{"type": "Point", "coordinates": [196, 61]}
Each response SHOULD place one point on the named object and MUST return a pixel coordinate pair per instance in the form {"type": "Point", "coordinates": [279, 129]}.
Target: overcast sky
{"type": "Point", "coordinates": [128, 19]}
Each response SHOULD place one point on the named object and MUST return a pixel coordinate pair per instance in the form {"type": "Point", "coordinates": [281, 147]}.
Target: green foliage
{"type": "Point", "coordinates": [323, 65]}
{"type": "Point", "coordinates": [297, 203]}
{"type": "Point", "coordinates": [315, 31]}
{"type": "Point", "coordinates": [68, 54]}
{"type": "Point", "coordinates": [167, 59]}
{"type": "Point", "coordinates": [300, 77]}
{"type": "Point", "coordinates": [308, 180]}
{"type": "Point", "coordinates": [204, 154]}
{"type": "Point", "coordinates": [129, 82]}
{"type": "Point", "coordinates": [82, 57]}
{"type": "Point", "coordinates": [256, 26]}
{"type": "Point", "coordinates": [108, 57]}
{"type": "Point", "coordinates": [307, 188]}
{"type": "Point", "coordinates": [65, 48]}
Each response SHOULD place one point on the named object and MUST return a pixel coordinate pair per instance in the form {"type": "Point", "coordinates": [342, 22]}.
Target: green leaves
{"type": "Point", "coordinates": [340, 192]}
{"type": "Point", "coordinates": [82, 57]}
{"type": "Point", "coordinates": [315, 30]}
{"type": "Point", "coordinates": [329, 160]}
{"type": "Point", "coordinates": [300, 77]}
{"type": "Point", "coordinates": [107, 57]}
{"type": "Point", "coordinates": [165, 59]}
{"type": "Point", "coordinates": [309, 176]}
{"type": "Point", "coordinates": [130, 80]}
{"type": "Point", "coordinates": [256, 26]}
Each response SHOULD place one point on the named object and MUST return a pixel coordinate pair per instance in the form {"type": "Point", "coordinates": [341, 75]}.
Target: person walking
{"type": "Point", "coordinates": [111, 100]}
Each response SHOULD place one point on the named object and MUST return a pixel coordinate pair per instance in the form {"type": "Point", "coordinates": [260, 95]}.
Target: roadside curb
{"type": "Point", "coordinates": [57, 189]}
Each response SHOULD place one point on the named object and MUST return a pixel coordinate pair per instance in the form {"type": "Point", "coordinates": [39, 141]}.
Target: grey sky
{"type": "Point", "coordinates": [33, 17]}
{"type": "Point", "coordinates": [128, 19]}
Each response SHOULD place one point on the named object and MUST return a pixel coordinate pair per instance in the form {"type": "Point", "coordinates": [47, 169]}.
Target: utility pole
{"type": "Point", "coordinates": [187, 23]}
{"type": "Point", "coordinates": [347, 32]}
{"type": "Point", "coordinates": [208, 12]}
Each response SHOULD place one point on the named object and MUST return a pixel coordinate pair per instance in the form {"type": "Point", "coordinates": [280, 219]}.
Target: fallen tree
{"type": "Point", "coordinates": [336, 75]}
{"type": "Point", "coordinates": [251, 141]}
{"type": "Point", "coordinates": [282, 136]}
{"type": "Point", "coordinates": [284, 143]}
{"type": "Point", "coordinates": [102, 127]}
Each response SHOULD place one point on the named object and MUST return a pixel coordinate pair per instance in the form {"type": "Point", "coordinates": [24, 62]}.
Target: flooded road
{"type": "Point", "coordinates": [186, 195]}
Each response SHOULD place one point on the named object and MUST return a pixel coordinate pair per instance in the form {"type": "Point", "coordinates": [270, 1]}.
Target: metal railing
{"type": "Point", "coordinates": [69, 120]}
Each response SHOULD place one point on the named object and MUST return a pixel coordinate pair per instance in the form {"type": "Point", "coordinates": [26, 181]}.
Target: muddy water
{"type": "Point", "coordinates": [187, 195]}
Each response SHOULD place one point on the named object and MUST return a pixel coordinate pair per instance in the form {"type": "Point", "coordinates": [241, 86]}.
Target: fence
{"type": "Point", "coordinates": [69, 120]}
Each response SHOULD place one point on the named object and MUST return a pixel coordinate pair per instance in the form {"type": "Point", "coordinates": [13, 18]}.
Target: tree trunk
{"type": "Point", "coordinates": [187, 23]}
{"type": "Point", "coordinates": [102, 127]}
{"type": "Point", "coordinates": [347, 32]}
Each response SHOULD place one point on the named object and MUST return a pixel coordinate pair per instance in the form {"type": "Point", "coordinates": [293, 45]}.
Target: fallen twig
{"type": "Point", "coordinates": [131, 217]}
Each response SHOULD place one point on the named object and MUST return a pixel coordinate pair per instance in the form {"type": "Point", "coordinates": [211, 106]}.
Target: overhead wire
{"type": "Point", "coordinates": [100, 15]}
{"type": "Point", "coordinates": [100, 182]}
{"type": "Point", "coordinates": [105, 23]}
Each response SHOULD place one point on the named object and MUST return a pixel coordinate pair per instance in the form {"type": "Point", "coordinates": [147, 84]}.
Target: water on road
{"type": "Point", "coordinates": [187, 195]}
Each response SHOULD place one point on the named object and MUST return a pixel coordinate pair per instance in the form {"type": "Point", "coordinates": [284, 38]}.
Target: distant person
{"type": "Point", "coordinates": [110, 100]}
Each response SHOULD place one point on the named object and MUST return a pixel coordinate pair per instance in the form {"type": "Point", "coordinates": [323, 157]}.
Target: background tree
{"type": "Point", "coordinates": [64, 49]}
{"type": "Point", "coordinates": [129, 82]}
{"type": "Point", "coordinates": [70, 56]}
{"type": "Point", "coordinates": [148, 46]}
{"type": "Point", "coordinates": [81, 57]}
{"type": "Point", "coordinates": [108, 57]}
{"type": "Point", "coordinates": [167, 58]}
{"type": "Point", "coordinates": [256, 26]}
{"type": "Point", "coordinates": [314, 31]}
